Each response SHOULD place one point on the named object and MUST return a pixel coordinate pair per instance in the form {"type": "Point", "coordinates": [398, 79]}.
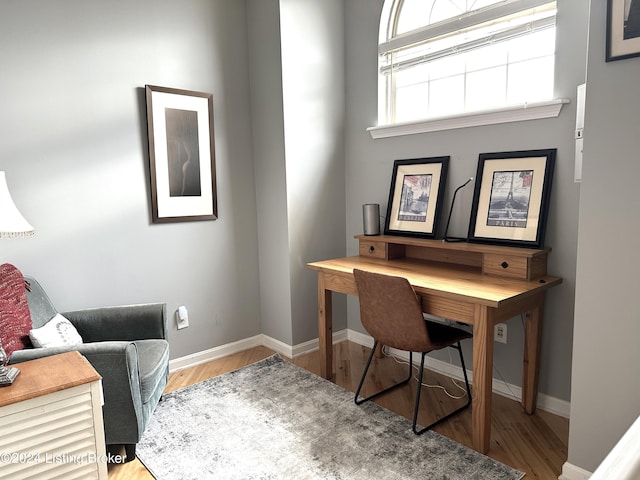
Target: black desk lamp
{"type": "Point", "coordinates": [453, 201]}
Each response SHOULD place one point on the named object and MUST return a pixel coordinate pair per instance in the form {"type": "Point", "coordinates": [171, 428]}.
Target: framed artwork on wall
{"type": "Point", "coordinates": [415, 197]}
{"type": "Point", "coordinates": [181, 155]}
{"type": "Point", "coordinates": [623, 29]}
{"type": "Point", "coordinates": [511, 198]}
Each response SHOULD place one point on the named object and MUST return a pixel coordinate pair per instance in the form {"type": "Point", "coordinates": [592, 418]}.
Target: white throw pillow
{"type": "Point", "coordinates": [57, 332]}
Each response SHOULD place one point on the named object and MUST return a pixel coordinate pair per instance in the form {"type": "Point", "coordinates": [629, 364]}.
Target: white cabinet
{"type": "Point", "coordinates": [51, 421]}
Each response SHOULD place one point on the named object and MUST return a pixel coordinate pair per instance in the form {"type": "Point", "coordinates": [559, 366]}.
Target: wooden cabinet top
{"type": "Point", "coordinates": [48, 375]}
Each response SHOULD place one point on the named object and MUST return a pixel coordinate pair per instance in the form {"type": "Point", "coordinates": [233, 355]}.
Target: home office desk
{"type": "Point", "coordinates": [480, 285]}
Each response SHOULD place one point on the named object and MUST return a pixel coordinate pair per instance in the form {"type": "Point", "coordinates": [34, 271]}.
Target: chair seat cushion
{"type": "Point", "coordinates": [153, 364]}
{"type": "Point", "coordinates": [15, 318]}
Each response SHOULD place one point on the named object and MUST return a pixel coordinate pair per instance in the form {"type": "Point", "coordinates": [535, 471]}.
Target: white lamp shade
{"type": "Point", "coordinates": [12, 223]}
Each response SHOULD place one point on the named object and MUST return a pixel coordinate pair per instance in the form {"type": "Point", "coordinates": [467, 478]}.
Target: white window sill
{"type": "Point", "coordinates": [531, 111]}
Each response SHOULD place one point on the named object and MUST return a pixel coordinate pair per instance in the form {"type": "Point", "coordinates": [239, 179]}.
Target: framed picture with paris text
{"type": "Point", "coordinates": [415, 197]}
{"type": "Point", "coordinates": [511, 198]}
{"type": "Point", "coordinates": [623, 29]}
{"type": "Point", "coordinates": [181, 155]}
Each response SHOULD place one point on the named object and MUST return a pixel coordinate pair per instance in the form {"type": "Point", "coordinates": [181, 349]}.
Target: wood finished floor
{"type": "Point", "coordinates": [535, 444]}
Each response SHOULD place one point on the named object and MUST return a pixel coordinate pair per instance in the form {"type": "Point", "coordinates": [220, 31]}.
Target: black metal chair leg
{"type": "Point", "coordinates": [419, 387]}
{"type": "Point", "coordinates": [416, 407]}
{"type": "Point", "coordinates": [364, 374]}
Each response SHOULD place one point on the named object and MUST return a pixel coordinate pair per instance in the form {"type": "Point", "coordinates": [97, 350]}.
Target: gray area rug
{"type": "Point", "coordinates": [275, 420]}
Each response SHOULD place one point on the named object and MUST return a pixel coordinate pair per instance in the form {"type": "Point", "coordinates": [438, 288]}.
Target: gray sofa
{"type": "Point", "coordinates": [128, 347]}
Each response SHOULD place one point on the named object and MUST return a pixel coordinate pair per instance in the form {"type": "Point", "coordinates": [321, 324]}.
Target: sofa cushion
{"type": "Point", "coordinates": [57, 332]}
{"type": "Point", "coordinates": [15, 318]}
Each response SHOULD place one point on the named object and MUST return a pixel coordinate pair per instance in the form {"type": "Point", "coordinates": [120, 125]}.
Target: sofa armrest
{"type": "Point", "coordinates": [117, 364]}
{"type": "Point", "coordinates": [120, 323]}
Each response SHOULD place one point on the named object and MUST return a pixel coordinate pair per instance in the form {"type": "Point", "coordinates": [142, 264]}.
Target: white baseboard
{"type": "Point", "coordinates": [214, 353]}
{"type": "Point", "coordinates": [302, 348]}
{"type": "Point", "coordinates": [571, 472]}
{"type": "Point", "coordinates": [545, 402]}
{"type": "Point", "coordinates": [259, 340]}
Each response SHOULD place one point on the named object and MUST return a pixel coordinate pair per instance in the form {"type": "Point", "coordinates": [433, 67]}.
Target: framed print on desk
{"type": "Point", "coordinates": [181, 155]}
{"type": "Point", "coordinates": [623, 29]}
{"type": "Point", "coordinates": [511, 198]}
{"type": "Point", "coordinates": [415, 197]}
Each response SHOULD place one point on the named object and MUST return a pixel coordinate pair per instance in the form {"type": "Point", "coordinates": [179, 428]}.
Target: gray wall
{"type": "Point", "coordinates": [605, 387]}
{"type": "Point", "coordinates": [270, 167]}
{"type": "Point", "coordinates": [297, 86]}
{"type": "Point", "coordinates": [370, 162]}
{"type": "Point", "coordinates": [314, 93]}
{"type": "Point", "coordinates": [74, 147]}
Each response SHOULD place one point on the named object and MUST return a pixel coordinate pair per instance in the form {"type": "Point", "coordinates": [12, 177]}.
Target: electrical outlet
{"type": "Point", "coordinates": [182, 318]}
{"type": "Point", "coordinates": [182, 323]}
{"type": "Point", "coordinates": [500, 333]}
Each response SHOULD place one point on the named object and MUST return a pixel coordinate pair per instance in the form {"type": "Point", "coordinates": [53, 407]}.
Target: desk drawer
{"type": "Point", "coordinates": [506, 266]}
{"type": "Point", "coordinates": [372, 249]}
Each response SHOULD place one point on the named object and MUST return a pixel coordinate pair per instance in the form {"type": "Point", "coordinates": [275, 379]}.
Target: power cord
{"type": "Point", "coordinates": [453, 380]}
{"type": "Point", "coordinates": [416, 369]}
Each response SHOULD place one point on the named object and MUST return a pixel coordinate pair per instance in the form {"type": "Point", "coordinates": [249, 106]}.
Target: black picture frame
{"type": "Point", "coordinates": [623, 29]}
{"type": "Point", "coordinates": [406, 215]}
{"type": "Point", "coordinates": [511, 198]}
{"type": "Point", "coordinates": [181, 155]}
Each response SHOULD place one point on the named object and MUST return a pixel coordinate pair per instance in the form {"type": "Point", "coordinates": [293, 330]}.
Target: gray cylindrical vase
{"type": "Point", "coordinates": [371, 218]}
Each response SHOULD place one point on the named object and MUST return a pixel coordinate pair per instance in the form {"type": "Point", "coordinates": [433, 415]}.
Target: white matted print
{"type": "Point", "coordinates": [511, 198]}
{"type": "Point", "coordinates": [623, 29]}
{"type": "Point", "coordinates": [181, 154]}
{"type": "Point", "coordinates": [415, 196]}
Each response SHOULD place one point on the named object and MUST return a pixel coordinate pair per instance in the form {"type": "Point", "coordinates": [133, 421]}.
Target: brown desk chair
{"type": "Point", "coordinates": [391, 313]}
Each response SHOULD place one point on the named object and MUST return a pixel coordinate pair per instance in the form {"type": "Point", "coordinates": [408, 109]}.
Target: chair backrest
{"type": "Point", "coordinates": [391, 312]}
{"type": "Point", "coordinates": [40, 307]}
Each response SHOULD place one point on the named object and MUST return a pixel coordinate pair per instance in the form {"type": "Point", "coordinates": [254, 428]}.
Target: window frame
{"type": "Point", "coordinates": [503, 114]}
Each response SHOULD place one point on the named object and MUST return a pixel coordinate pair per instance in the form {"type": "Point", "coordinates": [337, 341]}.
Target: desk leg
{"type": "Point", "coordinates": [482, 377]}
{"type": "Point", "coordinates": [325, 329]}
{"type": "Point", "coordinates": [531, 363]}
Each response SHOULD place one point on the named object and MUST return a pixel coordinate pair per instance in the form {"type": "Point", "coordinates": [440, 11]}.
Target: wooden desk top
{"type": "Point", "coordinates": [48, 375]}
{"type": "Point", "coordinates": [443, 279]}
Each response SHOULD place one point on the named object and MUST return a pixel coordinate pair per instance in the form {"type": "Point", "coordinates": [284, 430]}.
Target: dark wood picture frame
{"type": "Point", "coordinates": [181, 155]}
{"type": "Point", "coordinates": [623, 29]}
{"type": "Point", "coordinates": [415, 197]}
{"type": "Point", "coordinates": [511, 198]}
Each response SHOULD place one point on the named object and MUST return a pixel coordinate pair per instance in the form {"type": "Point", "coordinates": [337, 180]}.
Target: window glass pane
{"type": "Point", "coordinates": [447, 67]}
{"type": "Point", "coordinates": [446, 96]}
{"type": "Point", "coordinates": [412, 102]}
{"type": "Point", "coordinates": [414, 14]}
{"type": "Point", "coordinates": [418, 13]}
{"type": "Point", "coordinates": [410, 76]}
{"type": "Point", "coordinates": [535, 45]}
{"type": "Point", "coordinates": [530, 81]}
{"type": "Point", "coordinates": [446, 9]}
{"type": "Point", "coordinates": [489, 56]}
{"type": "Point", "coordinates": [486, 88]}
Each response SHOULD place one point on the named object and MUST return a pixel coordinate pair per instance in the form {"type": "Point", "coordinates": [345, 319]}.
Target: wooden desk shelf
{"type": "Point", "coordinates": [509, 262]}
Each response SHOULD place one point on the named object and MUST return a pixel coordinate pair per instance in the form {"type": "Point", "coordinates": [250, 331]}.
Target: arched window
{"type": "Point", "coordinates": [439, 58]}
